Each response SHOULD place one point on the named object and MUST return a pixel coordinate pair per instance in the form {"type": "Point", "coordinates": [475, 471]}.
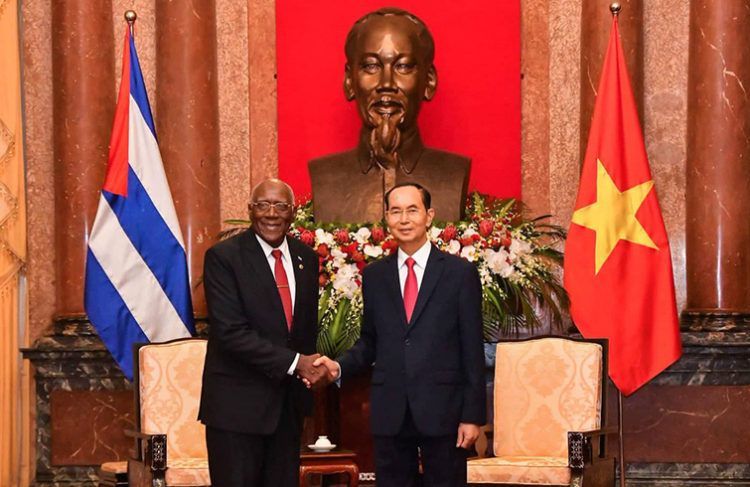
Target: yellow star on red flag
{"type": "Point", "coordinates": [612, 216]}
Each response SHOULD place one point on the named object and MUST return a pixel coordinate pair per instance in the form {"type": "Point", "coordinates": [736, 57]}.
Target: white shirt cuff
{"type": "Point", "coordinates": [338, 379]}
{"type": "Point", "coordinates": [294, 365]}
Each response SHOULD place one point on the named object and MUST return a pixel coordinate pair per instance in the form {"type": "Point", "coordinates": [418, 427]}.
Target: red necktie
{"type": "Point", "coordinates": [410, 289]}
{"type": "Point", "coordinates": [282, 283]}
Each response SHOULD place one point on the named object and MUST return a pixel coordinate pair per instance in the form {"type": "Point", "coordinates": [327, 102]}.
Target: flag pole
{"type": "Point", "coordinates": [130, 17]}
{"type": "Point", "coordinates": [621, 456]}
{"type": "Point", "coordinates": [615, 8]}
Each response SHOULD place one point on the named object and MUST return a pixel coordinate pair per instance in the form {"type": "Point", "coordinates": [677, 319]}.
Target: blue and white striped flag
{"type": "Point", "coordinates": [137, 281]}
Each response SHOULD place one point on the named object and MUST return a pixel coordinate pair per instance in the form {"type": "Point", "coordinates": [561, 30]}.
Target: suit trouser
{"type": "Point", "coordinates": [246, 460]}
{"type": "Point", "coordinates": [397, 458]}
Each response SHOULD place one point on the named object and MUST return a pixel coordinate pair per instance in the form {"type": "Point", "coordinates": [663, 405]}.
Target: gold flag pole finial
{"type": "Point", "coordinates": [130, 17]}
{"type": "Point", "coordinates": [615, 8]}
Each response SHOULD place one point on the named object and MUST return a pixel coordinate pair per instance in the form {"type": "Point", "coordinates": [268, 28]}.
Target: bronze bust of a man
{"type": "Point", "coordinates": [389, 72]}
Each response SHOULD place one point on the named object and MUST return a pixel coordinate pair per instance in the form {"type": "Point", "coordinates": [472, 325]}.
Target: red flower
{"type": "Point", "coordinates": [475, 237]}
{"type": "Point", "coordinates": [358, 256]}
{"type": "Point", "coordinates": [389, 246]}
{"type": "Point", "coordinates": [486, 227]}
{"type": "Point", "coordinates": [350, 249]}
{"type": "Point", "coordinates": [449, 233]}
{"type": "Point", "coordinates": [466, 241]}
{"type": "Point", "coordinates": [307, 237]}
{"type": "Point", "coordinates": [323, 250]}
{"type": "Point", "coordinates": [322, 279]}
{"type": "Point", "coordinates": [377, 234]}
{"type": "Point", "coordinates": [341, 236]}
{"type": "Point", "coordinates": [360, 265]}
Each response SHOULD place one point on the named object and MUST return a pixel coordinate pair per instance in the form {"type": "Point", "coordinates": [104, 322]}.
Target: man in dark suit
{"type": "Point", "coordinates": [262, 295]}
{"type": "Point", "coordinates": [422, 329]}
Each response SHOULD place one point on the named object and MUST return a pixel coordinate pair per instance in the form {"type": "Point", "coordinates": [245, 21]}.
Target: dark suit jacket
{"type": "Point", "coordinates": [250, 349]}
{"type": "Point", "coordinates": [435, 363]}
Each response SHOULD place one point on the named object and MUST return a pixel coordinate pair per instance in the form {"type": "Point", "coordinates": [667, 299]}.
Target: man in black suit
{"type": "Point", "coordinates": [422, 329]}
{"type": "Point", "coordinates": [262, 295]}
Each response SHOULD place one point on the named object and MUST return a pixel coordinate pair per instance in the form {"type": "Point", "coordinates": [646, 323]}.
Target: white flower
{"type": "Point", "coordinates": [468, 232]}
{"type": "Point", "coordinates": [454, 247]}
{"type": "Point", "coordinates": [498, 262]}
{"type": "Point", "coordinates": [323, 237]}
{"type": "Point", "coordinates": [435, 233]}
{"type": "Point", "coordinates": [338, 254]}
{"type": "Point", "coordinates": [362, 235]}
{"type": "Point", "coordinates": [345, 280]}
{"type": "Point", "coordinates": [469, 253]}
{"type": "Point", "coordinates": [373, 251]}
{"type": "Point", "coordinates": [519, 248]}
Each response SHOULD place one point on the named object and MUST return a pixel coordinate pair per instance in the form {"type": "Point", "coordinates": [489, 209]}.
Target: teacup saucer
{"type": "Point", "coordinates": [321, 449]}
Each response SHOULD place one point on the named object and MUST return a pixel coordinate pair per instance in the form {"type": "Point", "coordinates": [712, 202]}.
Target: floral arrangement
{"type": "Point", "coordinates": [517, 262]}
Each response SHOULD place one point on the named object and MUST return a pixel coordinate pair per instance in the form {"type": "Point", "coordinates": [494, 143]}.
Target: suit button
{"type": "Point", "coordinates": [407, 342]}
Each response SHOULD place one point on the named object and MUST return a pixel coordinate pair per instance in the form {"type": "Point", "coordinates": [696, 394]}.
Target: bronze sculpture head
{"type": "Point", "coordinates": [389, 72]}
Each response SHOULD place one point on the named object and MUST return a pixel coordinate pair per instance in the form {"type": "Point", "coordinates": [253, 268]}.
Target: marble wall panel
{"type": "Point", "coordinates": [40, 184]}
{"type": "Point", "coordinates": [264, 150]}
{"type": "Point", "coordinates": [88, 426]}
{"type": "Point", "coordinates": [666, 26]}
{"type": "Point", "coordinates": [535, 105]}
{"type": "Point", "coordinates": [688, 424]}
{"type": "Point", "coordinates": [234, 106]}
{"type": "Point", "coordinates": [564, 109]}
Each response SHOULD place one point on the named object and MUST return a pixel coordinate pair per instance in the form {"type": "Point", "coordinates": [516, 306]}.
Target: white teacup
{"type": "Point", "coordinates": [323, 442]}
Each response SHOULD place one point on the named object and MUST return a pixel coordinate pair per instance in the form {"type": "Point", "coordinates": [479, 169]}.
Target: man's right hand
{"type": "Point", "coordinates": [311, 375]}
{"type": "Point", "coordinates": [333, 368]}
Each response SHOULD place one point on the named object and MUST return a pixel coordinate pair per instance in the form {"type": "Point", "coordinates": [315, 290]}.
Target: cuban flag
{"type": "Point", "coordinates": [137, 281]}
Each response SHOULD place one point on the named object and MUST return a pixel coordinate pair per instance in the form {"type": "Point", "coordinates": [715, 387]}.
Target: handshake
{"type": "Point", "coordinates": [316, 371]}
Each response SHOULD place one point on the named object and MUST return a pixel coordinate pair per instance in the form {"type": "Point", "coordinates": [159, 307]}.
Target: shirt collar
{"type": "Point", "coordinates": [409, 153]}
{"type": "Point", "coordinates": [420, 256]}
{"type": "Point", "coordinates": [267, 248]}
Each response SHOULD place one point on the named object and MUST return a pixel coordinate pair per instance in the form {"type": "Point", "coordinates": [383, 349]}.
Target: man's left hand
{"type": "Point", "coordinates": [467, 435]}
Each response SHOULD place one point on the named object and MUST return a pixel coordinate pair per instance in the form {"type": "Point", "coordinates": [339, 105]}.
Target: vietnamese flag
{"type": "Point", "coordinates": [618, 268]}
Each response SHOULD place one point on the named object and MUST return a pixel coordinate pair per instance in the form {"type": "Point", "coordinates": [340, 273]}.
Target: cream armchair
{"type": "Point", "coordinates": [549, 405]}
{"type": "Point", "coordinates": [170, 441]}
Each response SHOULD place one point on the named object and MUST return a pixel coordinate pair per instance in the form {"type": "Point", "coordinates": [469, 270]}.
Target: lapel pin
{"type": "Point", "coordinates": [301, 266]}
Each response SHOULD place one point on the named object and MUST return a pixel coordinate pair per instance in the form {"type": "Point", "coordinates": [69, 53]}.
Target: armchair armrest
{"type": "Point", "coordinates": [151, 449]}
{"type": "Point", "coordinates": [583, 449]}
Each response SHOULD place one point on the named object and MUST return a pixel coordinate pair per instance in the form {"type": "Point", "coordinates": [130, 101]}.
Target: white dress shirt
{"type": "Point", "coordinates": [286, 260]}
{"type": "Point", "coordinates": [420, 263]}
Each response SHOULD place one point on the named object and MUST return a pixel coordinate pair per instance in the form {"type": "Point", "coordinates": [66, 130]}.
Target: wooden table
{"type": "Point", "coordinates": [325, 463]}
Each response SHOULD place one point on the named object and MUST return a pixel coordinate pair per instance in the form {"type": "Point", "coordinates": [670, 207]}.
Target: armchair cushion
{"type": "Point", "coordinates": [543, 389]}
{"type": "Point", "coordinates": [187, 472]}
{"type": "Point", "coordinates": [519, 470]}
{"type": "Point", "coordinates": [170, 390]}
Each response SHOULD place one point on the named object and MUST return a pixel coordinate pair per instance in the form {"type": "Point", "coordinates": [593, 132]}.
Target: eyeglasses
{"type": "Point", "coordinates": [410, 213]}
{"type": "Point", "coordinates": [264, 206]}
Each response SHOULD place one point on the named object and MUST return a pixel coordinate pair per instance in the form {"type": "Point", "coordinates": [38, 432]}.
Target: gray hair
{"type": "Point", "coordinates": [275, 181]}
